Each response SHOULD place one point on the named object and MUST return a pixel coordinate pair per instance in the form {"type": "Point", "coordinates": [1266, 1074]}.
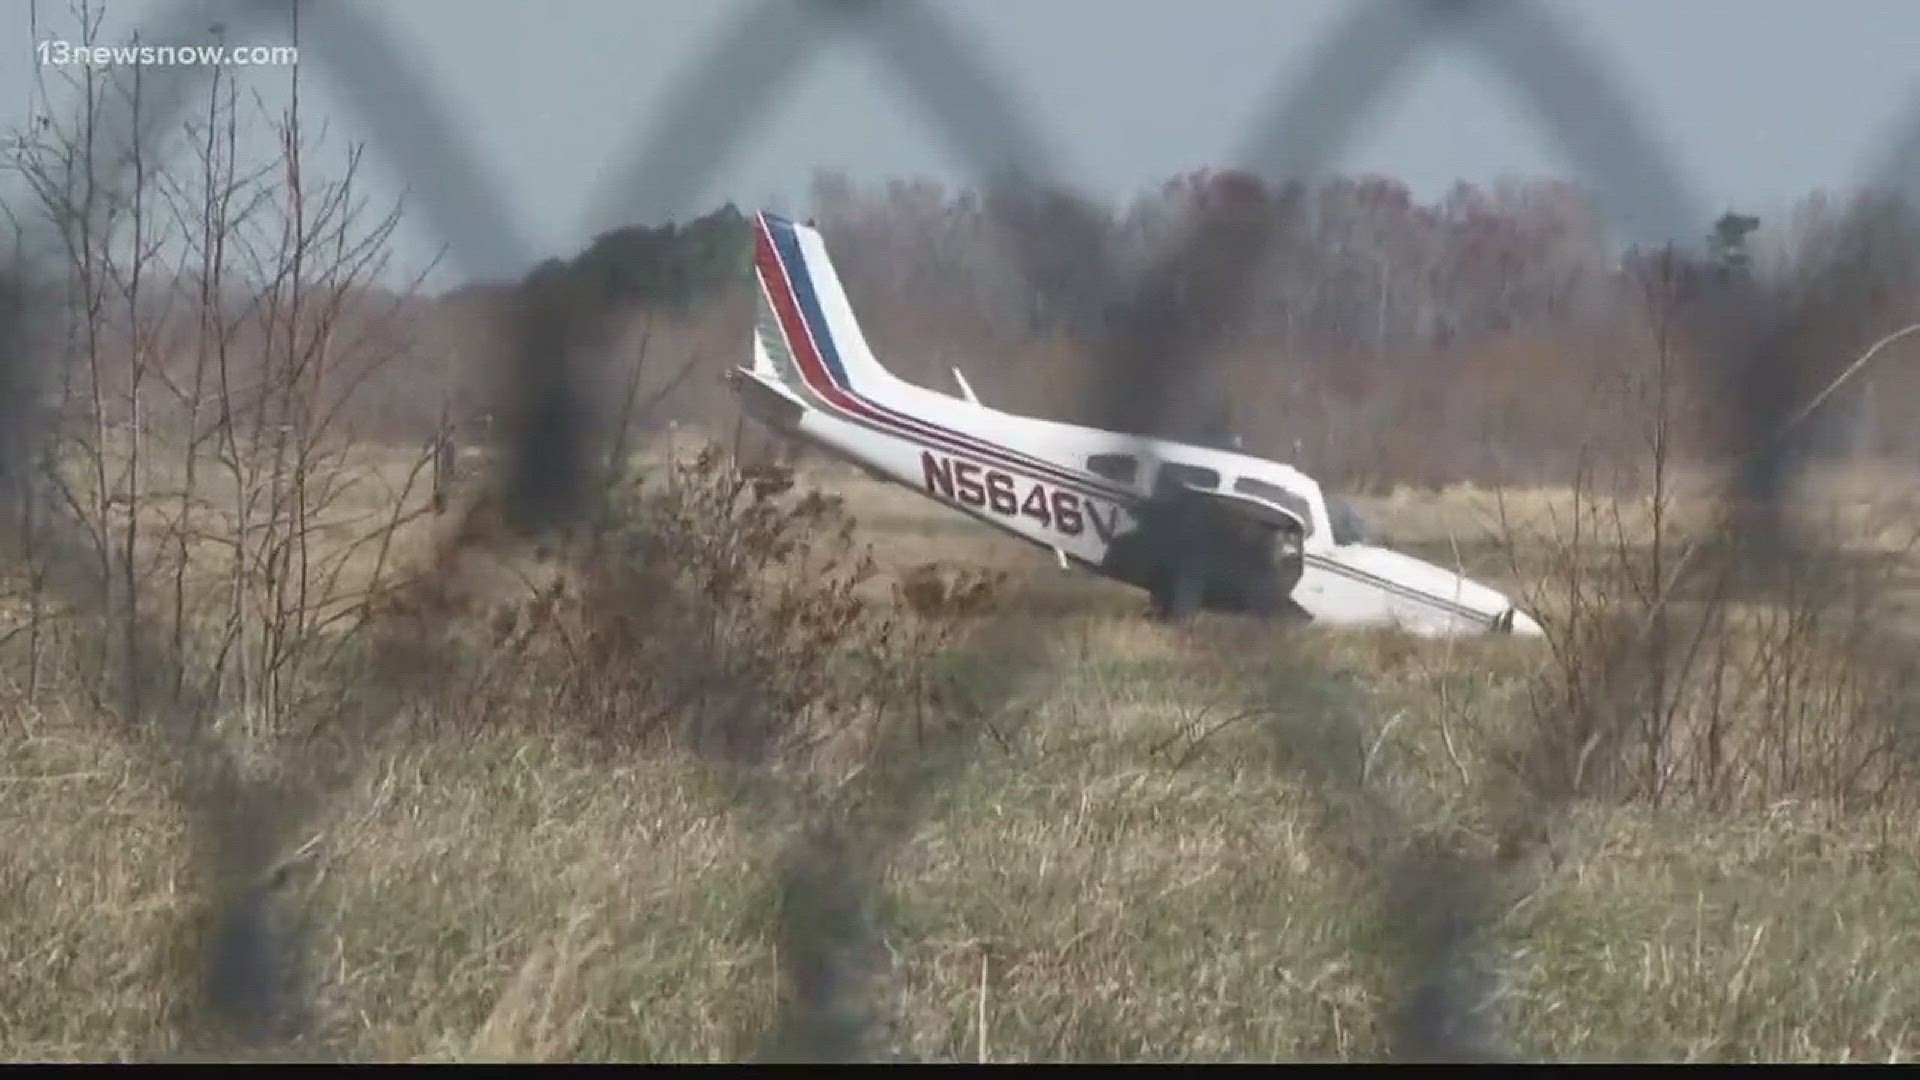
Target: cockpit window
{"type": "Point", "coordinates": [1279, 496]}
{"type": "Point", "coordinates": [1347, 525]}
{"type": "Point", "coordinates": [1174, 474]}
{"type": "Point", "coordinates": [1120, 468]}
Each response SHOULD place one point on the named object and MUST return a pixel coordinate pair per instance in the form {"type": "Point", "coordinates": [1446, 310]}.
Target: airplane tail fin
{"type": "Point", "coordinates": [805, 330]}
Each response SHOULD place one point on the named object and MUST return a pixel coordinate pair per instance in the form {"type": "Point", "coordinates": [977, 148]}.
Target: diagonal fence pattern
{"type": "Point", "coordinates": [830, 875]}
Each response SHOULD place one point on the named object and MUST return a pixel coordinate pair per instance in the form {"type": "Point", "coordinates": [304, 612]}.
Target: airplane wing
{"type": "Point", "coordinates": [1245, 507]}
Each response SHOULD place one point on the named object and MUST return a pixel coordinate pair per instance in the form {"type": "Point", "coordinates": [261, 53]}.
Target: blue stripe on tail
{"type": "Point", "coordinates": [787, 243]}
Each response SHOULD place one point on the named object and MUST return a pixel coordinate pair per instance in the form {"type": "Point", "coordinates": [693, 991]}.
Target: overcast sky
{"type": "Point", "coordinates": [1759, 101]}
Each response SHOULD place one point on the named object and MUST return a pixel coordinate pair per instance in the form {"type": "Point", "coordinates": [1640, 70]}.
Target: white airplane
{"type": "Point", "coordinates": [1195, 527]}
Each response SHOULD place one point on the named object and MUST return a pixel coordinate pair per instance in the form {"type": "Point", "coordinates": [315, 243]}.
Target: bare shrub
{"type": "Point", "coordinates": [1662, 683]}
{"type": "Point", "coordinates": [940, 590]}
{"type": "Point", "coordinates": [219, 321]}
{"type": "Point", "coordinates": [724, 611]}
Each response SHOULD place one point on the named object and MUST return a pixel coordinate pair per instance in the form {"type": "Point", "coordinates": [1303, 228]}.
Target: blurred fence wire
{"type": "Point", "coordinates": [827, 936]}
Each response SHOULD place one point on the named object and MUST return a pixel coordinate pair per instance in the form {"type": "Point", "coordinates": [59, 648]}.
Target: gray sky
{"type": "Point", "coordinates": [1760, 101]}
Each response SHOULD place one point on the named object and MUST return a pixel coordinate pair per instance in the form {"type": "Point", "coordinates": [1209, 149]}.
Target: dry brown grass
{"type": "Point", "coordinates": [1149, 867]}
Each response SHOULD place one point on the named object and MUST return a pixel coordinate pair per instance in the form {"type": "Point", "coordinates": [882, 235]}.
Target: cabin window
{"type": "Point", "coordinates": [1279, 496]}
{"type": "Point", "coordinates": [1120, 468]}
{"type": "Point", "coordinates": [1173, 475]}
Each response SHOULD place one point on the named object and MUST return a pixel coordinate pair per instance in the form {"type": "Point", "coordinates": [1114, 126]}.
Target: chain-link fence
{"type": "Point", "coordinates": [830, 875]}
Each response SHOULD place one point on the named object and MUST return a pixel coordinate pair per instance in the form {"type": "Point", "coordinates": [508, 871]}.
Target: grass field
{"type": "Point", "coordinates": [1161, 853]}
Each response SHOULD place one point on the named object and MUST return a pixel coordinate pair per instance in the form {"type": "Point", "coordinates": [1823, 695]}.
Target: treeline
{"type": "Point", "coordinates": [1495, 329]}
{"type": "Point", "coordinates": [1495, 332]}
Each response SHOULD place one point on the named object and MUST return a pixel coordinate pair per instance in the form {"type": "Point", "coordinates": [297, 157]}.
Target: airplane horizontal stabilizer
{"type": "Point", "coordinates": [767, 399]}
